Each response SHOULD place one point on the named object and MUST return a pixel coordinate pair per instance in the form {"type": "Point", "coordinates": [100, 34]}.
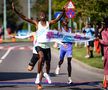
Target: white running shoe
{"type": "Point", "coordinates": [37, 81]}
{"type": "Point", "coordinates": [87, 56]}
{"type": "Point", "coordinates": [57, 70]}
{"type": "Point", "coordinates": [47, 77]}
{"type": "Point", "coordinates": [69, 80]}
{"type": "Point", "coordinates": [102, 57]}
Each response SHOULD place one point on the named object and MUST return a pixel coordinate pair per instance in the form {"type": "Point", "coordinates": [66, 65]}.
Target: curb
{"type": "Point", "coordinates": [90, 68]}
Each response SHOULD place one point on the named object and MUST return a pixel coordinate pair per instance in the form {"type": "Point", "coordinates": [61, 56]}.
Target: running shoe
{"type": "Point", "coordinates": [102, 57]}
{"type": "Point", "coordinates": [47, 77]}
{"type": "Point", "coordinates": [37, 81]}
{"type": "Point", "coordinates": [69, 80]}
{"type": "Point", "coordinates": [39, 87]}
{"type": "Point", "coordinates": [57, 70]}
{"type": "Point", "coordinates": [30, 68]}
{"type": "Point", "coordinates": [87, 56]}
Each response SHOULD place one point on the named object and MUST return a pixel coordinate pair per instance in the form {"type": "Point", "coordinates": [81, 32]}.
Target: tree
{"type": "Point", "coordinates": [12, 18]}
{"type": "Point", "coordinates": [95, 9]}
{"type": "Point", "coordinates": [40, 5]}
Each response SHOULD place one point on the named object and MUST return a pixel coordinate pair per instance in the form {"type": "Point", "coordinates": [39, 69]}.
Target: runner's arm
{"type": "Point", "coordinates": [23, 17]}
{"type": "Point", "coordinates": [23, 37]}
{"type": "Point", "coordinates": [58, 18]}
{"type": "Point", "coordinates": [57, 41]}
{"type": "Point", "coordinates": [104, 39]}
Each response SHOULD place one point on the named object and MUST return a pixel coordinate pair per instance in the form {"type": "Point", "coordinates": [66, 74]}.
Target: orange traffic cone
{"type": "Point", "coordinates": [13, 39]}
{"type": "Point", "coordinates": [1, 40]}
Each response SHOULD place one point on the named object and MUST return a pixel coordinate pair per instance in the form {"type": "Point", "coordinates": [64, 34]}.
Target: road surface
{"type": "Point", "coordinates": [14, 58]}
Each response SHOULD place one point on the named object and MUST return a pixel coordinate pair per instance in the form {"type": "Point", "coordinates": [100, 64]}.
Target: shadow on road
{"type": "Point", "coordinates": [6, 76]}
{"type": "Point", "coordinates": [96, 85]}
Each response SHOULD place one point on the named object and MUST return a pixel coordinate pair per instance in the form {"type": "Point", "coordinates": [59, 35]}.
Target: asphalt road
{"type": "Point", "coordinates": [14, 58]}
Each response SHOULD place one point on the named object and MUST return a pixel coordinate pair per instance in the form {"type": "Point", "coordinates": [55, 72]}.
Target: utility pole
{"type": "Point", "coordinates": [4, 20]}
{"type": "Point", "coordinates": [29, 15]}
{"type": "Point", "coordinates": [50, 1]}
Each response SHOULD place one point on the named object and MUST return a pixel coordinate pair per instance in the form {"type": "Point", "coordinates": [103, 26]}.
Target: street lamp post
{"type": "Point", "coordinates": [29, 15]}
{"type": "Point", "coordinates": [50, 1]}
{"type": "Point", "coordinates": [4, 19]}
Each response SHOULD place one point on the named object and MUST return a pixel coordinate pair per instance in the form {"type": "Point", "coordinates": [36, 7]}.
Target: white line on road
{"type": "Point", "coordinates": [5, 55]}
{"type": "Point", "coordinates": [21, 48]}
{"type": "Point", "coordinates": [1, 61]}
{"type": "Point", "coordinates": [1, 47]}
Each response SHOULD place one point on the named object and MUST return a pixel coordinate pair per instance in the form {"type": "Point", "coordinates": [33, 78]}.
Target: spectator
{"type": "Point", "coordinates": [104, 42]}
{"type": "Point", "coordinates": [98, 32]}
{"type": "Point", "coordinates": [1, 31]}
{"type": "Point", "coordinates": [89, 31]}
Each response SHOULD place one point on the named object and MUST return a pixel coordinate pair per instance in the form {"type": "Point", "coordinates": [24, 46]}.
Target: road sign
{"type": "Point", "coordinates": [70, 5]}
{"type": "Point", "coordinates": [70, 13]}
{"type": "Point", "coordinates": [57, 14]}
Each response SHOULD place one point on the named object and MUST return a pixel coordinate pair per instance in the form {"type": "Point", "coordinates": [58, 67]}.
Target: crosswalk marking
{"type": "Point", "coordinates": [21, 48]}
{"type": "Point", "coordinates": [16, 48]}
{"type": "Point", "coordinates": [1, 47]}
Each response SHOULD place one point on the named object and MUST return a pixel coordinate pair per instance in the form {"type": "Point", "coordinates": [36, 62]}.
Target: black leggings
{"type": "Point", "coordinates": [69, 67]}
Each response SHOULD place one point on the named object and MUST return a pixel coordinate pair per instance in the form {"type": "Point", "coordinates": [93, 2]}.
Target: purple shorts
{"type": "Point", "coordinates": [65, 51]}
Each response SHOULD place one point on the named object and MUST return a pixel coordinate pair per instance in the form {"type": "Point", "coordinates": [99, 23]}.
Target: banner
{"type": "Point", "coordinates": [53, 35]}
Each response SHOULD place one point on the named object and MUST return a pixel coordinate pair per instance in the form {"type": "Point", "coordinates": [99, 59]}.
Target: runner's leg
{"type": "Point", "coordinates": [47, 54]}
{"type": "Point", "coordinates": [32, 62]}
{"type": "Point", "coordinates": [62, 54]}
{"type": "Point", "coordinates": [40, 64]}
{"type": "Point", "coordinates": [69, 69]}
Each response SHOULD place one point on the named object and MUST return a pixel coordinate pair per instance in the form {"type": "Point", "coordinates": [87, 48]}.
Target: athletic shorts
{"type": "Point", "coordinates": [35, 57]}
{"type": "Point", "coordinates": [46, 52]}
{"type": "Point", "coordinates": [91, 43]}
{"type": "Point", "coordinates": [65, 51]}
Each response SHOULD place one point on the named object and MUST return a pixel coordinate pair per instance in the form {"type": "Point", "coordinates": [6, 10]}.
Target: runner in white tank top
{"type": "Point", "coordinates": [40, 47]}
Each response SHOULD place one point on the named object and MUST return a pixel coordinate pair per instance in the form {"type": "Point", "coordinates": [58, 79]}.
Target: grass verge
{"type": "Point", "coordinates": [80, 52]}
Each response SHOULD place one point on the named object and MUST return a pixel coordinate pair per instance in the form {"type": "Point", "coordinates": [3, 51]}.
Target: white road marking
{"type": "Point", "coordinates": [1, 47]}
{"type": "Point", "coordinates": [31, 47]}
{"type": "Point", "coordinates": [5, 55]}
{"type": "Point", "coordinates": [8, 51]}
{"type": "Point", "coordinates": [21, 48]}
{"type": "Point", "coordinates": [1, 61]}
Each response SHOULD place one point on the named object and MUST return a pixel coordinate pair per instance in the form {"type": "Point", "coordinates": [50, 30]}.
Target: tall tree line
{"type": "Point", "coordinates": [95, 9]}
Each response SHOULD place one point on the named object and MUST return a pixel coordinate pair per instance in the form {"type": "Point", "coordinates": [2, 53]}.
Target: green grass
{"type": "Point", "coordinates": [17, 40]}
{"type": "Point", "coordinates": [80, 52]}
